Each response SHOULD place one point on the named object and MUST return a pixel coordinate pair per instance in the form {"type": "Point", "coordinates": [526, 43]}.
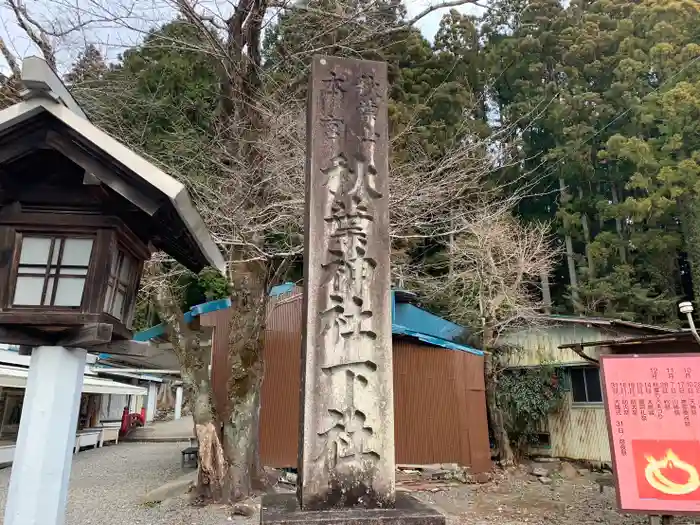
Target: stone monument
{"type": "Point", "coordinates": [346, 441]}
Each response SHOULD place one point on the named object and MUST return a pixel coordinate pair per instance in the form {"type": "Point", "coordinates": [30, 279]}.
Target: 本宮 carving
{"type": "Point", "coordinates": [332, 97]}
{"type": "Point", "coordinates": [332, 94]}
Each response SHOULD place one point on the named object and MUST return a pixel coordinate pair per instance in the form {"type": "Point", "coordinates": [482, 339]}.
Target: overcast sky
{"type": "Point", "coordinates": [112, 40]}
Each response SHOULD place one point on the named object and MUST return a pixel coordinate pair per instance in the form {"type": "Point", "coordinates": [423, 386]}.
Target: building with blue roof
{"type": "Point", "coordinates": [439, 391]}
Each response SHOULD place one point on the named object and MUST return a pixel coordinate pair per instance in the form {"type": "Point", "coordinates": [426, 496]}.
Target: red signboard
{"type": "Point", "coordinates": [653, 408]}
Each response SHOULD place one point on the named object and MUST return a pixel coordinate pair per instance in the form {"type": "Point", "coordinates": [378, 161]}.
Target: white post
{"type": "Point", "coordinates": [178, 402]}
{"type": "Point", "coordinates": [41, 469]}
{"type": "Point", "coordinates": [151, 402]}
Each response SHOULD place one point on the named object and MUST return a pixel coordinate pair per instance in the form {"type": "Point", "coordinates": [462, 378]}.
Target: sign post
{"type": "Point", "coordinates": [652, 404]}
{"type": "Point", "coordinates": [43, 464]}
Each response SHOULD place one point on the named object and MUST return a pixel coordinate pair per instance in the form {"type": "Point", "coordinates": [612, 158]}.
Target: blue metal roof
{"type": "Point", "coordinates": [407, 320]}
{"type": "Point", "coordinates": [159, 329]}
{"type": "Point", "coordinates": [200, 309]}
{"type": "Point", "coordinates": [397, 329]}
{"type": "Point", "coordinates": [281, 289]}
{"type": "Point", "coordinates": [422, 321]}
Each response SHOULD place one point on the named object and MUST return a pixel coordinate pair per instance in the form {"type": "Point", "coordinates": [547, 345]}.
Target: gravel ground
{"type": "Point", "coordinates": [107, 484]}
{"type": "Point", "coordinates": [517, 498]}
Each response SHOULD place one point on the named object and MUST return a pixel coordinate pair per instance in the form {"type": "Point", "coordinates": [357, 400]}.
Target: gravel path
{"type": "Point", "coordinates": [107, 484]}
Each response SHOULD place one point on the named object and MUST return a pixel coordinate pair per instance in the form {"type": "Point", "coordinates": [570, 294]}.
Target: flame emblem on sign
{"type": "Point", "coordinates": [656, 478]}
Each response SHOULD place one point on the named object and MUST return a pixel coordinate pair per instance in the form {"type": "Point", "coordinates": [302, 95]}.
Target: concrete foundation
{"type": "Point", "coordinates": [279, 509]}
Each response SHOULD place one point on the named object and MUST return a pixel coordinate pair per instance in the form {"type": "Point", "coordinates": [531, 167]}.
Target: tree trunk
{"type": "Point", "coordinates": [587, 238]}
{"type": "Point", "coordinates": [212, 467]}
{"type": "Point", "coordinates": [212, 463]}
{"type": "Point", "coordinates": [690, 226]}
{"type": "Point", "coordinates": [242, 417]}
{"type": "Point", "coordinates": [495, 414]}
{"type": "Point", "coordinates": [619, 228]}
{"type": "Point", "coordinates": [573, 279]}
{"type": "Point", "coordinates": [241, 442]}
{"type": "Point", "coordinates": [546, 292]}
{"type": "Point", "coordinates": [194, 359]}
{"type": "Point", "coordinates": [500, 434]}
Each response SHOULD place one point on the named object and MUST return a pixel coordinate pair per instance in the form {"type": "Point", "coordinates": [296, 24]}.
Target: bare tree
{"type": "Point", "coordinates": [495, 268]}
{"type": "Point", "coordinates": [249, 184]}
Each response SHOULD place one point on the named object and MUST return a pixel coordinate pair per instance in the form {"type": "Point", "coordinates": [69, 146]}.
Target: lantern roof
{"type": "Point", "coordinates": [50, 118]}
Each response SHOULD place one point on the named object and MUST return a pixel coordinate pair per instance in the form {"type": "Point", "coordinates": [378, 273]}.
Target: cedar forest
{"type": "Point", "coordinates": [545, 156]}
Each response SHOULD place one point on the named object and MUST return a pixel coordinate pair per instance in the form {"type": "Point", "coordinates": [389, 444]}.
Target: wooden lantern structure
{"type": "Point", "coordinates": [79, 215]}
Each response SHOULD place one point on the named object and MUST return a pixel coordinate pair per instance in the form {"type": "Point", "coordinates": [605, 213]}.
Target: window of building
{"type": "Point", "coordinates": [585, 384]}
{"type": "Point", "coordinates": [52, 271]}
{"type": "Point", "coordinates": [120, 286]}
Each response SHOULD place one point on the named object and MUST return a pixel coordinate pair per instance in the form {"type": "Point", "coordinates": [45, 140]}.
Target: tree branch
{"type": "Point", "coordinates": [37, 33]}
{"type": "Point", "coordinates": [10, 59]}
{"type": "Point", "coordinates": [428, 10]}
{"type": "Point", "coordinates": [583, 355]}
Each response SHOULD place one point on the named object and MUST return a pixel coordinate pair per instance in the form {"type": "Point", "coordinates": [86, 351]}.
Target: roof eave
{"type": "Point", "coordinates": [39, 80]}
{"type": "Point", "coordinates": [199, 231]}
{"type": "Point", "coordinates": [596, 321]}
{"type": "Point", "coordinates": [175, 191]}
{"type": "Point", "coordinates": [674, 336]}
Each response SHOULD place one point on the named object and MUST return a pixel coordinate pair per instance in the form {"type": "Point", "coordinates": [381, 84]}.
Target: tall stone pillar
{"type": "Point", "coordinates": [347, 454]}
{"type": "Point", "coordinates": [346, 435]}
{"type": "Point", "coordinates": [178, 402]}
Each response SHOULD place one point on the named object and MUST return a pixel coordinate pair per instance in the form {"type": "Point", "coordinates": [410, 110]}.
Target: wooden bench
{"type": "Point", "coordinates": [87, 438]}
{"type": "Point", "coordinates": [110, 433]}
{"type": "Point", "coordinates": [189, 454]}
{"type": "Point", "coordinates": [107, 433]}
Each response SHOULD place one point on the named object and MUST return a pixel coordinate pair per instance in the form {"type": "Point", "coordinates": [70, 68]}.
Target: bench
{"type": "Point", "coordinates": [87, 438]}
{"type": "Point", "coordinates": [106, 433]}
{"type": "Point", "coordinates": [189, 454]}
{"type": "Point", "coordinates": [110, 433]}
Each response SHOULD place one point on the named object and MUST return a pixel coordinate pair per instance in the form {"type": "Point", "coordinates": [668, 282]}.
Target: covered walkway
{"type": "Point", "coordinates": [13, 381]}
{"type": "Point", "coordinates": [164, 431]}
{"type": "Point", "coordinates": [16, 377]}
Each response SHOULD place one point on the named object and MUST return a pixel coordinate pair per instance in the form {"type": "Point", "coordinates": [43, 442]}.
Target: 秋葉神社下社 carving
{"type": "Point", "coordinates": [347, 332]}
{"type": "Point", "coordinates": [348, 402]}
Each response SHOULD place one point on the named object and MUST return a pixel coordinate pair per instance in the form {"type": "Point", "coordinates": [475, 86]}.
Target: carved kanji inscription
{"type": "Point", "coordinates": [347, 454]}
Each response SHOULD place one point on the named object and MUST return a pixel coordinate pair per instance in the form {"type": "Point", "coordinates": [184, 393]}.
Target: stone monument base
{"type": "Point", "coordinates": [279, 509]}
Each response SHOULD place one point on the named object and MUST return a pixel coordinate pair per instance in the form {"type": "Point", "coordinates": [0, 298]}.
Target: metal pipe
{"type": "Point", "coordinates": [692, 327]}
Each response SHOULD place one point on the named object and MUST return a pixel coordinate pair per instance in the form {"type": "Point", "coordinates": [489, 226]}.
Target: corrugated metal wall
{"type": "Point", "coordinates": [579, 432]}
{"type": "Point", "coordinates": [279, 415]}
{"type": "Point", "coordinates": [440, 406]}
{"type": "Point", "coordinates": [219, 359]}
{"type": "Point", "coordinates": [541, 344]}
{"type": "Point", "coordinates": [439, 399]}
